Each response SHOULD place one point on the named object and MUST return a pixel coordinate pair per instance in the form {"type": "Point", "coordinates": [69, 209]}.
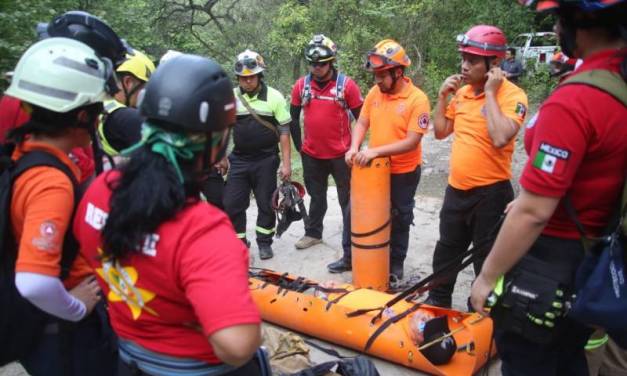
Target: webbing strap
{"type": "Point", "coordinates": [364, 234]}
{"type": "Point", "coordinates": [609, 82]}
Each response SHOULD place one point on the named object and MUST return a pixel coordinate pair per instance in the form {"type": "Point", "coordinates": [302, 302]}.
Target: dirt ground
{"type": "Point", "coordinates": [312, 262]}
{"type": "Point", "coordinates": [424, 234]}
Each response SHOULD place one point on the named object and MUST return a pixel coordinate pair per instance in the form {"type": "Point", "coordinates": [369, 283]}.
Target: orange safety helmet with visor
{"type": "Point", "coordinates": [385, 55]}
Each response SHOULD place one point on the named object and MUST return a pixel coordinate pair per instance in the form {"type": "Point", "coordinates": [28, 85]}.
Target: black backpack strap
{"type": "Point", "coordinates": [41, 158]}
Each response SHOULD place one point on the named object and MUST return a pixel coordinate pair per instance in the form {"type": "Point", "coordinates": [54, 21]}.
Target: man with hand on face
{"type": "Point", "coordinates": [262, 123]}
{"type": "Point", "coordinates": [397, 114]}
{"type": "Point", "coordinates": [329, 100]}
{"type": "Point", "coordinates": [484, 115]}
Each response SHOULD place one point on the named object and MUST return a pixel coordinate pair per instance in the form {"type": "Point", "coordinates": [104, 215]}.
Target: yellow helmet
{"type": "Point", "coordinates": [138, 64]}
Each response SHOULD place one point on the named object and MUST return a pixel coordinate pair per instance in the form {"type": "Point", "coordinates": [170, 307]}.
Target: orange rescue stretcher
{"type": "Point", "coordinates": [355, 318]}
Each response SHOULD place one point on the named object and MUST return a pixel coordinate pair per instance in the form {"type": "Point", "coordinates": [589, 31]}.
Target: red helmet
{"type": "Point", "coordinates": [483, 40]}
{"type": "Point", "coordinates": [585, 5]}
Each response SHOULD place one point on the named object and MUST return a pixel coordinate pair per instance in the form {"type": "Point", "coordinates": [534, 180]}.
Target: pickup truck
{"type": "Point", "coordinates": [535, 47]}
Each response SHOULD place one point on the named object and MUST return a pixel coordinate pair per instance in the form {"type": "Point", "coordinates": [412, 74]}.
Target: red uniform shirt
{"type": "Point", "coordinates": [326, 123]}
{"type": "Point", "coordinates": [577, 145]}
{"type": "Point", "coordinates": [11, 115]}
{"type": "Point", "coordinates": [190, 280]}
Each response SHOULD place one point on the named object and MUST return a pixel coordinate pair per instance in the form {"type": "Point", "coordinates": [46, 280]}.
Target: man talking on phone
{"type": "Point", "coordinates": [484, 111]}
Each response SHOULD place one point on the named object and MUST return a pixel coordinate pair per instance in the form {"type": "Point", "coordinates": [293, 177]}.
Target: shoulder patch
{"type": "Point", "coordinates": [551, 159]}
{"type": "Point", "coordinates": [47, 239]}
{"type": "Point", "coordinates": [423, 121]}
{"type": "Point", "coordinates": [521, 109]}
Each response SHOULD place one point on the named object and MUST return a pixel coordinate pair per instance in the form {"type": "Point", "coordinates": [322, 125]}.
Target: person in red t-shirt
{"type": "Point", "coordinates": [577, 146]}
{"type": "Point", "coordinates": [329, 100]}
{"type": "Point", "coordinates": [173, 270]}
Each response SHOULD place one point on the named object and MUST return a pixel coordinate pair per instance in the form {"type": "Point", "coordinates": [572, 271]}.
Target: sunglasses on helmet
{"type": "Point", "coordinates": [376, 61]}
{"type": "Point", "coordinates": [464, 41]}
{"type": "Point", "coordinates": [318, 52]}
{"type": "Point", "coordinates": [248, 63]}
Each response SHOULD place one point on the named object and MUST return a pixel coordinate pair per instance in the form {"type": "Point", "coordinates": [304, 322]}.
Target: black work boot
{"type": "Point", "coordinates": [340, 266]}
{"type": "Point", "coordinates": [265, 251]}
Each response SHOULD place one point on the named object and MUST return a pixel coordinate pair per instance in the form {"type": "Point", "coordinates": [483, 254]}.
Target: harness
{"type": "Point", "coordinates": [306, 95]}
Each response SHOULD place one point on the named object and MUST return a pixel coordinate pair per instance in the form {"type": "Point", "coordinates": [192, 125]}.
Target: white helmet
{"type": "Point", "coordinates": [249, 63]}
{"type": "Point", "coordinates": [169, 55]}
{"type": "Point", "coordinates": [60, 74]}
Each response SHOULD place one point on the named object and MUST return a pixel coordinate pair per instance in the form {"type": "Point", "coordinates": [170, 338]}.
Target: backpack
{"type": "Point", "coordinates": [614, 85]}
{"type": "Point", "coordinates": [306, 94]}
{"type": "Point", "coordinates": [601, 289]}
{"type": "Point", "coordinates": [21, 323]}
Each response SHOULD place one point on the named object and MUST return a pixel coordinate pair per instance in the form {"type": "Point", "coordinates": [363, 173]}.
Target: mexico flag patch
{"type": "Point", "coordinates": [551, 159]}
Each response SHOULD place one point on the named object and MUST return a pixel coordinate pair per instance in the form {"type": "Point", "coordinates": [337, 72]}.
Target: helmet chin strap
{"type": "Point", "coordinates": [129, 93]}
{"type": "Point", "coordinates": [395, 78]}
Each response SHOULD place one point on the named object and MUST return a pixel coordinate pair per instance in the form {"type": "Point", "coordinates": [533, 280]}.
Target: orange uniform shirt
{"type": "Point", "coordinates": [391, 116]}
{"type": "Point", "coordinates": [41, 210]}
{"type": "Point", "coordinates": [475, 162]}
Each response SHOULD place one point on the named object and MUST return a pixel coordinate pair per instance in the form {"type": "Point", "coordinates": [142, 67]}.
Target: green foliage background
{"type": "Point", "coordinates": [279, 30]}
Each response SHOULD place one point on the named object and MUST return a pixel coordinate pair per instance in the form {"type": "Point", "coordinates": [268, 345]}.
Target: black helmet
{"type": "Point", "coordinates": [91, 30]}
{"type": "Point", "coordinates": [287, 201]}
{"type": "Point", "coordinates": [189, 93]}
{"type": "Point", "coordinates": [442, 350]}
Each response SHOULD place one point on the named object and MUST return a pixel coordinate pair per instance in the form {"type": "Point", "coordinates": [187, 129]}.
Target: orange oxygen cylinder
{"type": "Point", "coordinates": [370, 224]}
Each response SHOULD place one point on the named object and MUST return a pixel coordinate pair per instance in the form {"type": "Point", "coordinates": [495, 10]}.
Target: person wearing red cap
{"type": "Point", "coordinates": [576, 171]}
{"type": "Point", "coordinates": [484, 115]}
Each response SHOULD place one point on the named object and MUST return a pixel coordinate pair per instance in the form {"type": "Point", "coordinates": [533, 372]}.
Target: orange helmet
{"type": "Point", "coordinates": [385, 55]}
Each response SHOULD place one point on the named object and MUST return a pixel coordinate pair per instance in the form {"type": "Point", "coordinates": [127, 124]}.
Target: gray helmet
{"type": "Point", "coordinates": [189, 93]}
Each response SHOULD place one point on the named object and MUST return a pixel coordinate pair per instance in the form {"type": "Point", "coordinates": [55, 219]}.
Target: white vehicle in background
{"type": "Point", "coordinates": [536, 48]}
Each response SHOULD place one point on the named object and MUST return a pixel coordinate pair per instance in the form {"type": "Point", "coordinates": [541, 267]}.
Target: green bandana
{"type": "Point", "coordinates": [169, 144]}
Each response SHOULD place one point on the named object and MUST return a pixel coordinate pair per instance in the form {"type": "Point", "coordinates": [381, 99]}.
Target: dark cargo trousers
{"type": "Point", "coordinates": [260, 177]}
{"type": "Point", "coordinates": [316, 174]}
{"type": "Point", "coordinates": [467, 216]}
{"type": "Point", "coordinates": [402, 192]}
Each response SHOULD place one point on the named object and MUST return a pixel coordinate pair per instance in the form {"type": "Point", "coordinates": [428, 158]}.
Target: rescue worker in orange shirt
{"type": "Point", "coordinates": [484, 115]}
{"type": "Point", "coordinates": [62, 83]}
{"type": "Point", "coordinates": [397, 114]}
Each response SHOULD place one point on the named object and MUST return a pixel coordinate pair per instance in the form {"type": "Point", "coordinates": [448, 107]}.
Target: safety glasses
{"type": "Point", "coordinates": [245, 63]}
{"type": "Point", "coordinates": [318, 64]}
{"type": "Point", "coordinates": [376, 61]}
{"type": "Point", "coordinates": [318, 52]}
{"type": "Point", "coordinates": [464, 41]}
